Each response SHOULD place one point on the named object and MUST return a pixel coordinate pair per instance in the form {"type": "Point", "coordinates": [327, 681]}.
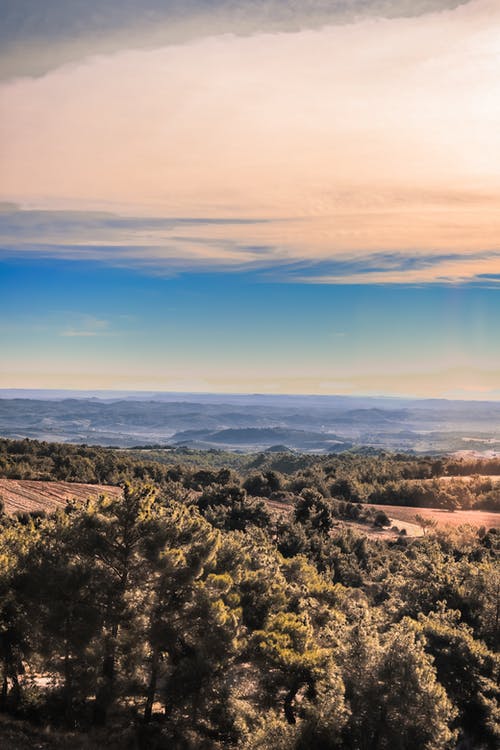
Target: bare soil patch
{"type": "Point", "coordinates": [25, 495]}
{"type": "Point", "coordinates": [401, 514]}
{"type": "Point", "coordinates": [403, 517]}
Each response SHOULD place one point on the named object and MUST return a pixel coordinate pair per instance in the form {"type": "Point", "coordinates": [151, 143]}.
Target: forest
{"type": "Point", "coordinates": [188, 613]}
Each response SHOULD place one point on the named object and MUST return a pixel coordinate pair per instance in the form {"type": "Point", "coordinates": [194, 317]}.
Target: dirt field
{"type": "Point", "coordinates": [25, 495]}
{"type": "Point", "coordinates": [400, 515]}
{"type": "Point", "coordinates": [403, 517]}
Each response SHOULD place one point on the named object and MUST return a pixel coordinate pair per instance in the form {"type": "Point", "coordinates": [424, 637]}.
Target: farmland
{"type": "Point", "coordinates": [26, 496]}
{"type": "Point", "coordinates": [404, 517]}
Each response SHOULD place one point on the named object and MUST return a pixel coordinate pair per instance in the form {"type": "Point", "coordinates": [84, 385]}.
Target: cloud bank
{"type": "Point", "coordinates": [38, 36]}
{"type": "Point", "coordinates": [360, 153]}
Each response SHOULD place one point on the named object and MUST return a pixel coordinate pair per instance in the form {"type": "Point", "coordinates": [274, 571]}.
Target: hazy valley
{"type": "Point", "coordinates": [327, 424]}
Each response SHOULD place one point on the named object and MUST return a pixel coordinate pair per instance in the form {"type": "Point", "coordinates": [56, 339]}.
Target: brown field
{"type": "Point", "coordinates": [468, 477]}
{"type": "Point", "coordinates": [25, 495]}
{"type": "Point", "coordinates": [403, 515]}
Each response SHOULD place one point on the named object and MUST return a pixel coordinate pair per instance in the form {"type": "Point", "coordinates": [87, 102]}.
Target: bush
{"type": "Point", "coordinates": [381, 519]}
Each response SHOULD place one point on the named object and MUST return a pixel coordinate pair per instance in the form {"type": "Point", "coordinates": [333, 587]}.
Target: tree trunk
{"type": "Point", "coordinates": [151, 691]}
{"type": "Point", "coordinates": [104, 693]}
{"type": "Point", "coordinates": [5, 690]}
{"type": "Point", "coordinates": [288, 705]}
{"type": "Point", "coordinates": [15, 691]}
{"type": "Point", "coordinates": [68, 677]}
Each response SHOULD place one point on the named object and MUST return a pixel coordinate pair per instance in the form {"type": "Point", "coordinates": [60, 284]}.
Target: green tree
{"type": "Point", "coordinates": [469, 672]}
{"type": "Point", "coordinates": [111, 532]}
{"type": "Point", "coordinates": [392, 690]}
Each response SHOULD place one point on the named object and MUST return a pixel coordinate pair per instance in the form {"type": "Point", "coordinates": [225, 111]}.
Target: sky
{"type": "Point", "coordinates": [261, 196]}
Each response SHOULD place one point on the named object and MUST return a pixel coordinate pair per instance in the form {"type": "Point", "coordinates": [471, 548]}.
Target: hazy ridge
{"type": "Point", "coordinates": [249, 422]}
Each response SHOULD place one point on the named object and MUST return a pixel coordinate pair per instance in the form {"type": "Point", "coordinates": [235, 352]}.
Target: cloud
{"type": "Point", "coordinates": [385, 132]}
{"type": "Point", "coordinates": [366, 153]}
{"type": "Point", "coordinates": [87, 326]}
{"type": "Point", "coordinates": [400, 268]}
{"type": "Point", "coordinates": [72, 333]}
{"type": "Point", "coordinates": [153, 243]}
{"type": "Point", "coordinates": [168, 245]}
{"type": "Point", "coordinates": [21, 225]}
{"type": "Point", "coordinates": [39, 36]}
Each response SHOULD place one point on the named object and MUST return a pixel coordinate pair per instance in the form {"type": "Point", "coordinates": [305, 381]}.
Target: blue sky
{"type": "Point", "coordinates": [76, 324]}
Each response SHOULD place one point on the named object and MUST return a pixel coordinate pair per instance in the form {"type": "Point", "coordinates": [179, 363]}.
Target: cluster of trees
{"type": "Point", "coordinates": [391, 479]}
{"type": "Point", "coordinates": [167, 620]}
{"type": "Point", "coordinates": [32, 459]}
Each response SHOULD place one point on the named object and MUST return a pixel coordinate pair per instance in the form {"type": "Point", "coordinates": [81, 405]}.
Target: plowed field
{"type": "Point", "coordinates": [443, 517]}
{"type": "Point", "coordinates": [26, 495]}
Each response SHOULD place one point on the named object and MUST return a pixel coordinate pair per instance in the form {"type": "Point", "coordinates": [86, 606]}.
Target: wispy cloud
{"type": "Point", "coordinates": [168, 245]}
{"type": "Point", "coordinates": [401, 268]}
{"type": "Point", "coordinates": [87, 327]}
{"type": "Point", "coordinates": [72, 333]}
{"type": "Point", "coordinates": [146, 242]}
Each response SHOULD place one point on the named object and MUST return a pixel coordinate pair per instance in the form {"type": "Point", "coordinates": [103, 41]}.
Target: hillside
{"type": "Point", "coordinates": [326, 424]}
{"type": "Point", "coordinates": [251, 606]}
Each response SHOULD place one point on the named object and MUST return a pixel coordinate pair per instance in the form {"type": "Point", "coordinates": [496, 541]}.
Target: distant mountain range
{"type": "Point", "coordinates": [251, 422]}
